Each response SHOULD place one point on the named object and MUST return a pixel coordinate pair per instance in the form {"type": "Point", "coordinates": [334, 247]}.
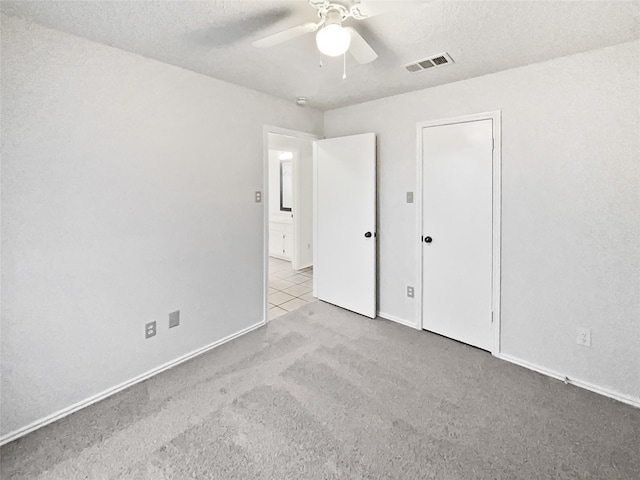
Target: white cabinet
{"type": "Point", "coordinates": [280, 239]}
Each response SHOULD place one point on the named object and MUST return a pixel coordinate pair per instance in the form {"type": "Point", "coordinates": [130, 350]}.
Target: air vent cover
{"type": "Point", "coordinates": [430, 62]}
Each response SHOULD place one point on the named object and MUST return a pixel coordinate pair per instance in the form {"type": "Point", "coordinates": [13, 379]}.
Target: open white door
{"type": "Point", "coordinates": [345, 266]}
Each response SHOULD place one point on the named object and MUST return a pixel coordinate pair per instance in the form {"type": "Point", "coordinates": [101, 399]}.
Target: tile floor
{"type": "Point", "coordinates": [288, 288]}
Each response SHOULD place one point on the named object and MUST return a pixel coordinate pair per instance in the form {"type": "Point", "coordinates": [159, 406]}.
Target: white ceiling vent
{"type": "Point", "coordinates": [430, 62]}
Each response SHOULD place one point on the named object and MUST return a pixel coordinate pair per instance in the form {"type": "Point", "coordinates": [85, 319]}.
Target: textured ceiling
{"type": "Point", "coordinates": [214, 38]}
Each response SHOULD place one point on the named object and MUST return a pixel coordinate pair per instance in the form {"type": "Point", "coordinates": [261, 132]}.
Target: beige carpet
{"type": "Point", "coordinates": [321, 393]}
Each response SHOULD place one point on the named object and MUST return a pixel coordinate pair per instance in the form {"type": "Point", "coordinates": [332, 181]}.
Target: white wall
{"type": "Point", "coordinates": [571, 206]}
{"type": "Point", "coordinates": [127, 193]}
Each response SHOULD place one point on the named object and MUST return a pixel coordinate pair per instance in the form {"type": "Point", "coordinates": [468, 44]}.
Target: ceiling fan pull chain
{"type": "Point", "coordinates": [321, 64]}
{"type": "Point", "coordinates": [344, 66]}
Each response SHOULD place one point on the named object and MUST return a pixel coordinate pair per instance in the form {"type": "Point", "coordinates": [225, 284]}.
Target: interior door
{"type": "Point", "coordinates": [457, 231]}
{"type": "Point", "coordinates": [345, 266]}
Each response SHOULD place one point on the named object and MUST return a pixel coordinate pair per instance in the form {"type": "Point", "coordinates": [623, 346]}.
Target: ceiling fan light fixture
{"type": "Point", "coordinates": [333, 40]}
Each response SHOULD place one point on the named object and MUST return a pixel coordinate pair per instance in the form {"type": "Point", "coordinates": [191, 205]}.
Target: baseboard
{"type": "Point", "coordinates": [399, 320]}
{"type": "Point", "coordinates": [635, 402]}
{"type": "Point", "coordinates": [280, 257]}
{"type": "Point", "coordinates": [113, 390]}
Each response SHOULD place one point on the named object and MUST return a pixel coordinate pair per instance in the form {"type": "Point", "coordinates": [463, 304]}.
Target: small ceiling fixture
{"type": "Point", "coordinates": [301, 101]}
{"type": "Point", "coordinates": [333, 39]}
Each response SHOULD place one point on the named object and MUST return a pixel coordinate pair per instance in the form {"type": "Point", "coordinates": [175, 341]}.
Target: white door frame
{"type": "Point", "coordinates": [266, 130]}
{"type": "Point", "coordinates": [495, 117]}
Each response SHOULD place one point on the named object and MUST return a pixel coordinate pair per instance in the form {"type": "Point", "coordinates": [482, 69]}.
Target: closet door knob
{"type": "Point", "coordinates": [428, 239]}
{"type": "Point", "coordinates": [367, 235]}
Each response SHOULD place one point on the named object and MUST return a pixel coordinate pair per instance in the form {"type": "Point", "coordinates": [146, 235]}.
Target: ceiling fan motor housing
{"type": "Point", "coordinates": [333, 17]}
{"type": "Point", "coordinates": [354, 9]}
{"type": "Point", "coordinates": [333, 13]}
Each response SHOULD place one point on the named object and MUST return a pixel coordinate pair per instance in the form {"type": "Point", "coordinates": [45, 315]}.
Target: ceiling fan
{"type": "Point", "coordinates": [332, 38]}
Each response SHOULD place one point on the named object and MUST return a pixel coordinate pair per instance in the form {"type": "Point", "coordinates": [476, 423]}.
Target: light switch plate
{"type": "Point", "coordinates": [409, 197]}
{"type": "Point", "coordinates": [174, 319]}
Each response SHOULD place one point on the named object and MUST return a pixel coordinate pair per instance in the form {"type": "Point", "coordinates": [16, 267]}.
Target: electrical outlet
{"type": "Point", "coordinates": [174, 319]}
{"type": "Point", "coordinates": [584, 337]}
{"type": "Point", "coordinates": [150, 330]}
{"type": "Point", "coordinates": [258, 197]}
{"type": "Point", "coordinates": [409, 292]}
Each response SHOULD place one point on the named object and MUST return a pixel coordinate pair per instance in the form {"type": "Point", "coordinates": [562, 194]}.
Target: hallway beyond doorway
{"type": "Point", "coordinates": [288, 288]}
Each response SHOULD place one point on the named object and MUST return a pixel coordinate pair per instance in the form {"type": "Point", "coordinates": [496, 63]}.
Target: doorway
{"type": "Point", "coordinates": [459, 221]}
{"type": "Point", "coordinates": [289, 220]}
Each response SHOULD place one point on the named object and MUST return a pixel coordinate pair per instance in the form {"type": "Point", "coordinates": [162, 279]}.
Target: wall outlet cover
{"type": "Point", "coordinates": [409, 292]}
{"type": "Point", "coordinates": [150, 330]}
{"type": "Point", "coordinates": [174, 319]}
{"type": "Point", "coordinates": [584, 337]}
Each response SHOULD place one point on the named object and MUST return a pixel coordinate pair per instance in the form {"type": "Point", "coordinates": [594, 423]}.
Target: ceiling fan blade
{"type": "Point", "coordinates": [236, 30]}
{"type": "Point", "coordinates": [360, 49]}
{"type": "Point", "coordinates": [285, 35]}
{"type": "Point", "coordinates": [368, 9]}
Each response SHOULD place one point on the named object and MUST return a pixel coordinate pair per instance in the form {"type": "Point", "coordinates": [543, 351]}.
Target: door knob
{"type": "Point", "coordinates": [428, 239]}
{"type": "Point", "coordinates": [367, 235]}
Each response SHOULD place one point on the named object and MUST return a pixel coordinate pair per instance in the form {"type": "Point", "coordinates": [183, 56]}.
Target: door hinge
{"type": "Point", "coordinates": [493, 144]}
{"type": "Point", "coordinates": [492, 317]}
